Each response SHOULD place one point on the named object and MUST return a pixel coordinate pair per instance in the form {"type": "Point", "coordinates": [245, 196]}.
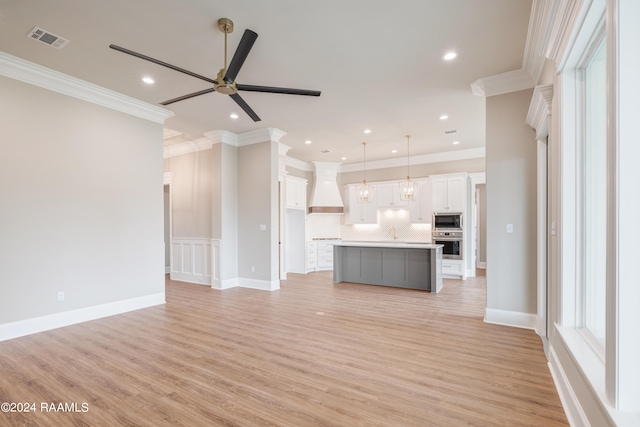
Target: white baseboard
{"type": "Point", "coordinates": [570, 403]}
{"type": "Point", "coordinates": [225, 284]}
{"type": "Point", "coordinates": [241, 282]}
{"type": "Point", "coordinates": [510, 318]}
{"type": "Point", "coordinates": [264, 285]}
{"type": "Point", "coordinates": [481, 265]}
{"type": "Point", "coordinates": [167, 269]}
{"type": "Point", "coordinates": [66, 318]}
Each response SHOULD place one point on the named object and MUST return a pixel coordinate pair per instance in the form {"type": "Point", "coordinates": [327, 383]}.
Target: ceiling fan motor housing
{"type": "Point", "coordinates": [223, 87]}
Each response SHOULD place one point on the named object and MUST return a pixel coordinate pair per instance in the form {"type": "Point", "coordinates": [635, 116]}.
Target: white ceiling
{"type": "Point", "coordinates": [378, 64]}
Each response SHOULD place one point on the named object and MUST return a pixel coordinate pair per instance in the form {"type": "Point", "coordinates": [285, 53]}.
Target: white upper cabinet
{"type": "Point", "coordinates": [388, 196]}
{"type": "Point", "coordinates": [360, 213]}
{"type": "Point", "coordinates": [448, 194]}
{"type": "Point", "coordinates": [296, 193]}
{"type": "Point", "coordinates": [420, 209]}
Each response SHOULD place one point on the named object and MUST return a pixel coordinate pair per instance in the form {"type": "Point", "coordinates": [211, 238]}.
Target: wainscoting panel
{"type": "Point", "coordinates": [191, 260]}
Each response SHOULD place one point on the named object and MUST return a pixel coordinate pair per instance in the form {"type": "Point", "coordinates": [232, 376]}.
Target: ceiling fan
{"type": "Point", "coordinates": [225, 82]}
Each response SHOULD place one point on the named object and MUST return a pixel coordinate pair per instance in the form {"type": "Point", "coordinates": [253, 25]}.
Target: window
{"type": "Point", "coordinates": [595, 194]}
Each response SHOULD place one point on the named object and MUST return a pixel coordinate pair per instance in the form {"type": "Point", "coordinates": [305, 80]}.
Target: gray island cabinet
{"type": "Point", "coordinates": [398, 264]}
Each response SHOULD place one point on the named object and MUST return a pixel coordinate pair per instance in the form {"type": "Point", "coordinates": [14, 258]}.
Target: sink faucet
{"type": "Point", "coordinates": [392, 231]}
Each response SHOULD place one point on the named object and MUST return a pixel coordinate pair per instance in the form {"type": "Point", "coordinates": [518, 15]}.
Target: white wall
{"type": "Point", "coordinates": [82, 204]}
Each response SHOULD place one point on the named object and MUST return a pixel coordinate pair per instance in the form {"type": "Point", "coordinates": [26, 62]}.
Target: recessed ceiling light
{"type": "Point", "coordinates": [444, 117]}
{"type": "Point", "coordinates": [449, 56]}
{"type": "Point", "coordinates": [307, 142]}
{"type": "Point", "coordinates": [367, 131]}
{"type": "Point", "coordinates": [456, 142]}
{"type": "Point", "coordinates": [233, 115]}
{"type": "Point", "coordinates": [394, 151]}
{"type": "Point", "coordinates": [344, 158]}
{"type": "Point", "coordinates": [148, 80]}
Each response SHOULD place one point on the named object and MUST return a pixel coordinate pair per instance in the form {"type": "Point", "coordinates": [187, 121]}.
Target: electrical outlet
{"type": "Point", "coordinates": [253, 269]}
{"type": "Point", "coordinates": [509, 228]}
{"type": "Point", "coordinates": [60, 296]}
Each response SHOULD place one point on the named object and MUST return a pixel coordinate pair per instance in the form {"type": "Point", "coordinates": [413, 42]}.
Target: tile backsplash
{"type": "Point", "coordinates": [387, 218]}
{"type": "Point", "coordinates": [330, 226]}
{"type": "Point", "coordinates": [323, 226]}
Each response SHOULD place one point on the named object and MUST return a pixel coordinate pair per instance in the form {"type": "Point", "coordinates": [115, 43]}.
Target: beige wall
{"type": "Point", "coordinates": [81, 206]}
{"type": "Point", "coordinates": [511, 199]}
{"type": "Point", "coordinates": [258, 205]}
{"type": "Point", "coordinates": [191, 194]}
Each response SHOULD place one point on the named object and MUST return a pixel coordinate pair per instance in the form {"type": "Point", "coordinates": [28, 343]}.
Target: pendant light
{"type": "Point", "coordinates": [364, 191]}
{"type": "Point", "coordinates": [408, 188]}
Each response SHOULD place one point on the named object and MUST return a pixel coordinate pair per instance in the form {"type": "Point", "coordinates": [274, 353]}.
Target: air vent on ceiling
{"type": "Point", "coordinates": [447, 132]}
{"type": "Point", "coordinates": [46, 37]}
{"type": "Point", "coordinates": [325, 151]}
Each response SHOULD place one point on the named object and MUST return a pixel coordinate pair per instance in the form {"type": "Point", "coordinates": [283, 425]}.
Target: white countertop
{"type": "Point", "coordinates": [386, 244]}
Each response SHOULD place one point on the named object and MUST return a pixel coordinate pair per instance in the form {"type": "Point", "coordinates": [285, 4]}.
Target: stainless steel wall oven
{"type": "Point", "coordinates": [452, 242]}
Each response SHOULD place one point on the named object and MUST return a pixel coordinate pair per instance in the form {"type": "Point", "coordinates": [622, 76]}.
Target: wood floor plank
{"type": "Point", "coordinates": [313, 353]}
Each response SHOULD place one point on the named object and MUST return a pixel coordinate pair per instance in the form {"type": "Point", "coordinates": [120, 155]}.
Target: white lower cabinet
{"type": "Point", "coordinates": [312, 256]}
{"type": "Point", "coordinates": [452, 267]}
{"type": "Point", "coordinates": [319, 256]}
{"type": "Point", "coordinates": [325, 256]}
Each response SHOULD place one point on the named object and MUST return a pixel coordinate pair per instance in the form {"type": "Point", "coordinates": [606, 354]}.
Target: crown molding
{"type": "Point", "coordinates": [170, 133]}
{"type": "Point", "coordinates": [540, 110]}
{"type": "Point", "coordinates": [472, 153]}
{"type": "Point", "coordinates": [260, 135]}
{"type": "Point", "coordinates": [498, 84]}
{"type": "Point", "coordinates": [299, 164]}
{"type": "Point", "coordinates": [46, 78]}
{"type": "Point", "coordinates": [538, 37]}
{"type": "Point", "coordinates": [283, 149]}
{"type": "Point", "coordinates": [222, 137]}
{"type": "Point", "coordinates": [187, 147]}
{"type": "Point", "coordinates": [565, 15]}
{"type": "Point", "coordinates": [216, 137]}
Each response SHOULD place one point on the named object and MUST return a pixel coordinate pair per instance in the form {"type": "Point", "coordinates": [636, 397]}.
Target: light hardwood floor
{"type": "Point", "coordinates": [311, 354]}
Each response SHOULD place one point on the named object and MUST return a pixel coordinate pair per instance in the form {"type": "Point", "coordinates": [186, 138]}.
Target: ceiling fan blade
{"type": "Point", "coordinates": [245, 107]}
{"type": "Point", "coordinates": [271, 89]}
{"type": "Point", "coordinates": [191, 95]}
{"type": "Point", "coordinates": [157, 61]}
{"type": "Point", "coordinates": [246, 43]}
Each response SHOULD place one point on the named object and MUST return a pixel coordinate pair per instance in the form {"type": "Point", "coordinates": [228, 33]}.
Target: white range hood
{"type": "Point", "coordinates": [325, 197]}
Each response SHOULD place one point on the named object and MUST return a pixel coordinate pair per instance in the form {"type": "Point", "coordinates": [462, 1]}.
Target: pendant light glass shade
{"type": "Point", "coordinates": [364, 191]}
{"type": "Point", "coordinates": [408, 188]}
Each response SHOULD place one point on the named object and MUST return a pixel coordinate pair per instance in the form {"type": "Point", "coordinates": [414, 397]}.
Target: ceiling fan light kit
{"type": "Point", "coordinates": [225, 82]}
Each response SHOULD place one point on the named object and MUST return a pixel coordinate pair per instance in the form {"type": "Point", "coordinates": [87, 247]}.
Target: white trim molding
{"type": "Point", "coordinates": [191, 260]}
{"type": "Point", "coordinates": [37, 75]}
{"type": "Point", "coordinates": [540, 110]}
{"type": "Point", "coordinates": [223, 137]}
{"type": "Point", "coordinates": [570, 403]}
{"type": "Point", "coordinates": [511, 81]}
{"type": "Point", "coordinates": [72, 317]}
{"type": "Point", "coordinates": [510, 318]}
{"type": "Point", "coordinates": [187, 147]}
{"type": "Point", "coordinates": [537, 37]}
{"type": "Point", "coordinates": [448, 156]}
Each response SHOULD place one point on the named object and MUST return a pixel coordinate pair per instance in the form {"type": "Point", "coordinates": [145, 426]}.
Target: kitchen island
{"type": "Point", "coordinates": [412, 265]}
